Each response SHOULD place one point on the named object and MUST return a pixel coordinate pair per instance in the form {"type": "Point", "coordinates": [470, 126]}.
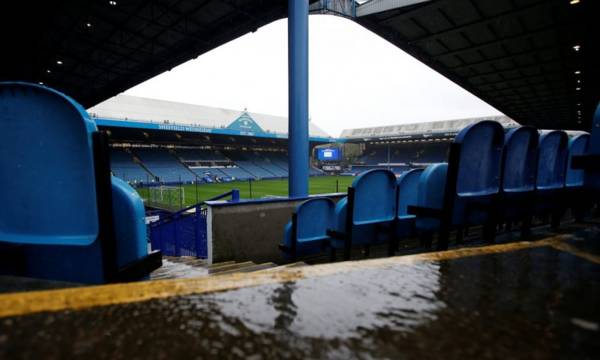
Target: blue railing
{"type": "Point", "coordinates": [183, 233]}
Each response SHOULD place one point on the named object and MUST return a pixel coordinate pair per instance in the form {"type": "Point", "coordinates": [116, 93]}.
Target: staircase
{"type": "Point", "coordinates": [189, 267]}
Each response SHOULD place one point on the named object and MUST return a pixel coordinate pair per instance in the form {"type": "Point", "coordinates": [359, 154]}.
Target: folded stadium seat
{"type": "Point", "coordinates": [464, 191]}
{"type": "Point", "coordinates": [519, 176]}
{"type": "Point", "coordinates": [550, 177]}
{"type": "Point", "coordinates": [306, 233]}
{"type": "Point", "coordinates": [407, 188]}
{"type": "Point", "coordinates": [575, 196]}
{"type": "Point", "coordinates": [369, 208]}
{"type": "Point", "coordinates": [62, 213]}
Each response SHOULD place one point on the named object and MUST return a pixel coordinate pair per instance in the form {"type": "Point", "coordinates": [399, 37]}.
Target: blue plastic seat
{"type": "Point", "coordinates": [430, 195]}
{"type": "Point", "coordinates": [408, 185]}
{"type": "Point", "coordinates": [552, 160]}
{"type": "Point", "coordinates": [47, 173]}
{"type": "Point", "coordinates": [578, 145]}
{"type": "Point", "coordinates": [370, 204]}
{"type": "Point", "coordinates": [551, 174]}
{"type": "Point", "coordinates": [519, 161]}
{"type": "Point", "coordinates": [60, 207]}
{"type": "Point", "coordinates": [464, 191]}
{"type": "Point", "coordinates": [306, 233]}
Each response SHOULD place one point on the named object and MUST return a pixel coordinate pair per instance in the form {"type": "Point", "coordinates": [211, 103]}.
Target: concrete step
{"type": "Point", "coordinates": [249, 268]}
{"type": "Point", "coordinates": [219, 264]}
{"type": "Point", "coordinates": [286, 266]}
{"type": "Point", "coordinates": [229, 267]}
{"type": "Point", "coordinates": [187, 260]}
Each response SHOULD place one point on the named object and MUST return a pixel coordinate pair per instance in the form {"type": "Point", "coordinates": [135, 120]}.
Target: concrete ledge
{"type": "Point", "coordinates": [250, 230]}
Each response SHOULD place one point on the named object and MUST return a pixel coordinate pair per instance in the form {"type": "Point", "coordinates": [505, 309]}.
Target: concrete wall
{"type": "Point", "coordinates": [249, 231]}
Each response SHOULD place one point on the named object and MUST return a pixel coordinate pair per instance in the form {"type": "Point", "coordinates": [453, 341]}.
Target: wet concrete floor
{"type": "Point", "coordinates": [534, 302]}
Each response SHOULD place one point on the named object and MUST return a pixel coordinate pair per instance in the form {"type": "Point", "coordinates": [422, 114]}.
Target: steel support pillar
{"type": "Point", "coordinates": [298, 97]}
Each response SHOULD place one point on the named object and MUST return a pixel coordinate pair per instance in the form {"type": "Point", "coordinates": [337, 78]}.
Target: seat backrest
{"type": "Point", "coordinates": [314, 217]}
{"type": "Point", "coordinates": [552, 160]}
{"type": "Point", "coordinates": [408, 185]}
{"type": "Point", "coordinates": [432, 184]}
{"type": "Point", "coordinates": [480, 158]}
{"type": "Point", "coordinates": [578, 145]}
{"type": "Point", "coordinates": [129, 221]}
{"type": "Point", "coordinates": [47, 174]}
{"type": "Point", "coordinates": [374, 197]}
{"type": "Point", "coordinates": [519, 159]}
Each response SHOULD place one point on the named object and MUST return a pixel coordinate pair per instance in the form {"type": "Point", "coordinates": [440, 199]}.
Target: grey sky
{"type": "Point", "coordinates": [357, 79]}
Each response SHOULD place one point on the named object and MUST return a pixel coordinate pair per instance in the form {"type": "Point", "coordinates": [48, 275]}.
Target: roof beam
{"type": "Point", "coordinates": [482, 21]}
{"type": "Point", "coordinates": [378, 6]}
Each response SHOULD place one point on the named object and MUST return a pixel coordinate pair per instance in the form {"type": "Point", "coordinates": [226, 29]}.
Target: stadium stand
{"type": "Point", "coordinates": [164, 165]}
{"type": "Point", "coordinates": [236, 173]}
{"type": "Point", "coordinates": [193, 140]}
{"type": "Point", "coordinates": [251, 163]}
{"type": "Point", "coordinates": [191, 155]}
{"type": "Point", "coordinates": [210, 164]}
{"type": "Point", "coordinates": [125, 167]}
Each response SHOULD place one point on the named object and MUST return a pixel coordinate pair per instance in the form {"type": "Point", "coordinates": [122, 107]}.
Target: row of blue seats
{"type": "Point", "coordinates": [165, 166]}
{"type": "Point", "coordinates": [490, 177]}
{"type": "Point", "coordinates": [76, 223]}
{"type": "Point", "coordinates": [159, 163]}
{"type": "Point", "coordinates": [124, 167]}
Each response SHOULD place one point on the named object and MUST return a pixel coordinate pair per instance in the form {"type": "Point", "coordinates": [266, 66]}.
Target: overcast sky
{"type": "Point", "coordinates": [357, 79]}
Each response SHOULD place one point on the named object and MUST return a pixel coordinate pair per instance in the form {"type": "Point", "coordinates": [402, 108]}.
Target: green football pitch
{"type": "Point", "coordinates": [255, 189]}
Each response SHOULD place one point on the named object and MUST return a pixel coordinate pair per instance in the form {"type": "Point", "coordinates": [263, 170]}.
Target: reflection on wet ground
{"type": "Point", "coordinates": [531, 303]}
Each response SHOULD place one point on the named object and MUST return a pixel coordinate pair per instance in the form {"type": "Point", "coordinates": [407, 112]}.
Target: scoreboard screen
{"type": "Point", "coordinates": [328, 154]}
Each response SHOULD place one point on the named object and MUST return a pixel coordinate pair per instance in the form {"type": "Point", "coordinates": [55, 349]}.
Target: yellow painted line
{"type": "Point", "coordinates": [562, 246]}
{"type": "Point", "coordinates": [24, 303]}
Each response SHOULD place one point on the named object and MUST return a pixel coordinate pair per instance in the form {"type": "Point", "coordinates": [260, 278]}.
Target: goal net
{"type": "Point", "coordinates": [170, 196]}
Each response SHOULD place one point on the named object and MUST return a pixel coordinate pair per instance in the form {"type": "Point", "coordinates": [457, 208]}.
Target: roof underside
{"type": "Point", "coordinates": [515, 54]}
{"type": "Point", "coordinates": [124, 44]}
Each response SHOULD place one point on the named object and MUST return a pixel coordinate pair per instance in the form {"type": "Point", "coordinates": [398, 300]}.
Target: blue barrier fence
{"type": "Point", "coordinates": [183, 233]}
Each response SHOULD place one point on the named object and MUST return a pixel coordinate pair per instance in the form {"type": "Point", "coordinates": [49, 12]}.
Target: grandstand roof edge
{"type": "Point", "coordinates": [125, 107]}
{"type": "Point", "coordinates": [430, 127]}
{"type": "Point", "coordinates": [149, 125]}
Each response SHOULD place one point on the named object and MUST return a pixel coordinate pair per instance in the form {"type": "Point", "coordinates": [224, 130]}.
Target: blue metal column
{"type": "Point", "coordinates": [298, 97]}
